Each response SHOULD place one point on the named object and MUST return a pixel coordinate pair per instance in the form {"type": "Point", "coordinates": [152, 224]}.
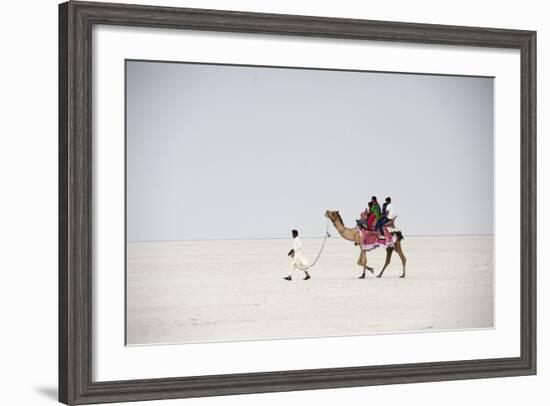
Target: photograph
{"type": "Point", "coordinates": [266, 202]}
{"type": "Point", "coordinates": [276, 202]}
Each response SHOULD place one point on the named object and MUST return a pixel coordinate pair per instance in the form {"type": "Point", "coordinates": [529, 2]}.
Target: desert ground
{"type": "Point", "coordinates": [197, 291]}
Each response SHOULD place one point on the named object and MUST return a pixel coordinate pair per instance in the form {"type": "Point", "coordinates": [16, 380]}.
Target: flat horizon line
{"type": "Point", "coordinates": [304, 238]}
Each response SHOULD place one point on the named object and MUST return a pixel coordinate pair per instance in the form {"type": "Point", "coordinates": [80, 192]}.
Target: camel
{"type": "Point", "coordinates": [352, 234]}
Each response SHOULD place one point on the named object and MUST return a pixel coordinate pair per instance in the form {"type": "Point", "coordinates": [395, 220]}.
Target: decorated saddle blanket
{"type": "Point", "coordinates": [372, 239]}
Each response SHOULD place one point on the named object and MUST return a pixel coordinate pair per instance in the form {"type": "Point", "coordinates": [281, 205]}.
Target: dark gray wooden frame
{"type": "Point", "coordinates": [76, 20]}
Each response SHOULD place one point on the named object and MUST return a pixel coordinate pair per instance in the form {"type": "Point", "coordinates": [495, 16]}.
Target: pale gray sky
{"type": "Point", "coordinates": [231, 152]}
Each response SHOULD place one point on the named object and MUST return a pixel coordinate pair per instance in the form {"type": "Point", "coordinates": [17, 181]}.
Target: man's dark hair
{"type": "Point", "coordinates": [388, 199]}
{"type": "Point", "coordinates": [374, 198]}
{"type": "Point", "coordinates": [295, 233]}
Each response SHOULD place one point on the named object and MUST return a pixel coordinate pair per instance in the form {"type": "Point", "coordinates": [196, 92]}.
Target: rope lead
{"type": "Point", "coordinates": [327, 235]}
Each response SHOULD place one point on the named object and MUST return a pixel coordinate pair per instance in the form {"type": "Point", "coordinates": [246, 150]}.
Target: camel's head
{"type": "Point", "coordinates": [333, 215]}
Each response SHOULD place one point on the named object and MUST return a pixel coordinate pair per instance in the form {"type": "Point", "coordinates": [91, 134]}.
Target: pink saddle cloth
{"type": "Point", "coordinates": [371, 239]}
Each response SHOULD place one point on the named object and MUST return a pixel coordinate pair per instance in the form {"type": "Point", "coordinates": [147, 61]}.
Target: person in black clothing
{"type": "Point", "coordinates": [384, 218]}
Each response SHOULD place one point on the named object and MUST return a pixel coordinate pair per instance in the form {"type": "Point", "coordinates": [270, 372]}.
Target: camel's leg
{"type": "Point", "coordinates": [401, 255]}
{"type": "Point", "coordinates": [360, 263]}
{"type": "Point", "coordinates": [363, 262]}
{"type": "Point", "coordinates": [389, 252]}
{"type": "Point", "coordinates": [365, 265]}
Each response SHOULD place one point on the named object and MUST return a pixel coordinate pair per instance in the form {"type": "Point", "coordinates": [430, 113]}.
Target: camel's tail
{"type": "Point", "coordinates": [399, 235]}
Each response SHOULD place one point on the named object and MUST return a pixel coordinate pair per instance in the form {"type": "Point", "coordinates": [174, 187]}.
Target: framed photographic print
{"type": "Point", "coordinates": [257, 202]}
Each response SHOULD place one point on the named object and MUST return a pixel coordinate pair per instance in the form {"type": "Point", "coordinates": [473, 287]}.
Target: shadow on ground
{"type": "Point", "coordinates": [49, 392]}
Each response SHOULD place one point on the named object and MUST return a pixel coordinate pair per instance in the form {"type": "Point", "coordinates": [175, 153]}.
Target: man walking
{"type": "Point", "coordinates": [297, 258]}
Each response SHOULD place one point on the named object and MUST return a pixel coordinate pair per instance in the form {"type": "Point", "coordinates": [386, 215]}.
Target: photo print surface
{"type": "Point", "coordinates": [271, 202]}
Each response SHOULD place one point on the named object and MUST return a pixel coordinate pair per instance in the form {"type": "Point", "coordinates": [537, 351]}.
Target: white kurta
{"type": "Point", "coordinates": [391, 214]}
{"type": "Point", "coordinates": [299, 260]}
{"type": "Point", "coordinates": [390, 211]}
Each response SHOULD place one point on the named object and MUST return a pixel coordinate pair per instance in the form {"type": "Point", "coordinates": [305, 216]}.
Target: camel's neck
{"type": "Point", "coordinates": [346, 233]}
